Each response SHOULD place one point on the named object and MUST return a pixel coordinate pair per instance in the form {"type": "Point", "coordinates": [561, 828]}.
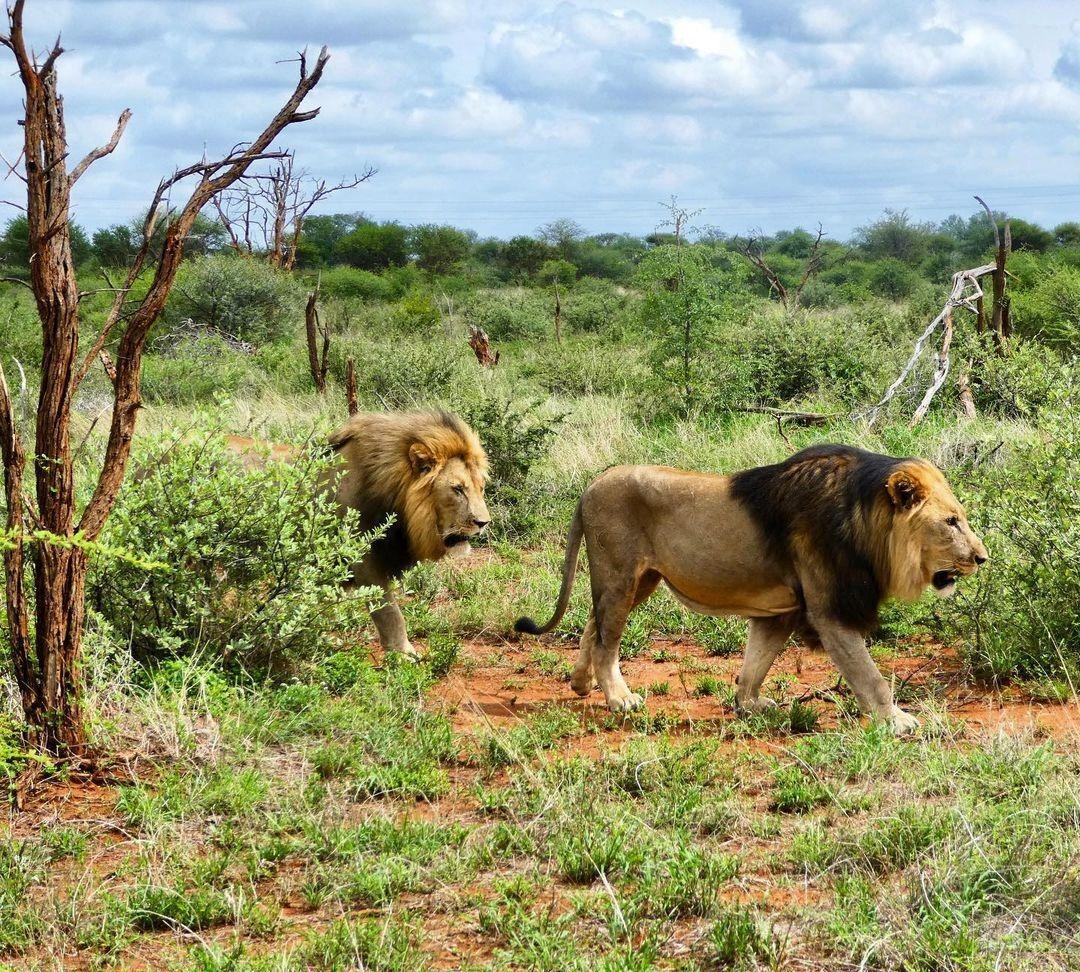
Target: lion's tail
{"type": "Point", "coordinates": [573, 544]}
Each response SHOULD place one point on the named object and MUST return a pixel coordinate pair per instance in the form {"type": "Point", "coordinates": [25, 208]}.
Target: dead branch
{"type": "Point", "coordinates": [754, 251]}
{"type": "Point", "coordinates": [318, 360]}
{"type": "Point", "coordinates": [100, 153]}
{"type": "Point", "coordinates": [962, 281]}
{"type": "Point", "coordinates": [795, 417]}
{"type": "Point", "coordinates": [481, 347]}
{"type": "Point", "coordinates": [352, 402]}
{"type": "Point", "coordinates": [273, 205]}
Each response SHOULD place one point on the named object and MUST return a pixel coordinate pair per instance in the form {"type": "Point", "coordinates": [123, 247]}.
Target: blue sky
{"type": "Point", "coordinates": [501, 116]}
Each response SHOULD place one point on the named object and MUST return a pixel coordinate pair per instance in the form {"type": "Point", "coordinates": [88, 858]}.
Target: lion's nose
{"type": "Point", "coordinates": [981, 559]}
{"type": "Point", "coordinates": [480, 524]}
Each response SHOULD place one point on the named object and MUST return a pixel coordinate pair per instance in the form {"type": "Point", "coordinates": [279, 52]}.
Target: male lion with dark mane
{"type": "Point", "coordinates": [427, 470]}
{"type": "Point", "coordinates": [817, 542]}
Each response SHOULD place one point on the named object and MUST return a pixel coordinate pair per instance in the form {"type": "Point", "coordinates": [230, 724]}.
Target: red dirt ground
{"type": "Point", "coordinates": [500, 682]}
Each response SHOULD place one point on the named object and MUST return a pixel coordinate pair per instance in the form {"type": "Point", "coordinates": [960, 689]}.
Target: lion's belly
{"type": "Point", "coordinates": [762, 602]}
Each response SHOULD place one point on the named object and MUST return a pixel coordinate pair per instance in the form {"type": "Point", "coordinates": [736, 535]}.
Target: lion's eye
{"type": "Point", "coordinates": [953, 521]}
{"type": "Point", "coordinates": [459, 489]}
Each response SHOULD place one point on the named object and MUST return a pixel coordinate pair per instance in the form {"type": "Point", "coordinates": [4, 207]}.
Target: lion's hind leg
{"type": "Point", "coordinates": [582, 677]}
{"type": "Point", "coordinates": [611, 610]}
{"type": "Point", "coordinates": [765, 640]}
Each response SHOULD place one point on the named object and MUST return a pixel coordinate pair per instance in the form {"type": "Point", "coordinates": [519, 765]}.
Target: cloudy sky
{"type": "Point", "coordinates": [499, 116]}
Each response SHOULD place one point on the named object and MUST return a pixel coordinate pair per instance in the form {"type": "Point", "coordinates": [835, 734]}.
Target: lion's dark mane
{"type": "Point", "coordinates": [831, 498]}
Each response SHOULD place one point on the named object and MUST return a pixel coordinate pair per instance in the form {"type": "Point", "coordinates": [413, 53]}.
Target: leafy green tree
{"type": "Point", "coordinates": [524, 255]}
{"type": "Point", "coordinates": [321, 234]}
{"type": "Point", "coordinates": [894, 235]}
{"type": "Point", "coordinates": [116, 246]}
{"type": "Point", "coordinates": [561, 272]}
{"type": "Point", "coordinates": [681, 307]}
{"type": "Point", "coordinates": [1067, 235]}
{"type": "Point", "coordinates": [562, 235]}
{"type": "Point", "coordinates": [374, 246]}
{"type": "Point", "coordinates": [15, 244]}
{"type": "Point", "coordinates": [439, 249]}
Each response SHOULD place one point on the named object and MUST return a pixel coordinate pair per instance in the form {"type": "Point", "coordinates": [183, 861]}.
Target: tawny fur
{"type": "Point", "coordinates": [394, 460]}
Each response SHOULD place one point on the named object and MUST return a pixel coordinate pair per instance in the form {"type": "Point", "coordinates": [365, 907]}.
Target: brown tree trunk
{"type": "Point", "coordinates": [318, 365]}
{"type": "Point", "coordinates": [558, 315]}
{"type": "Point", "coordinates": [49, 678]}
{"type": "Point", "coordinates": [352, 403]}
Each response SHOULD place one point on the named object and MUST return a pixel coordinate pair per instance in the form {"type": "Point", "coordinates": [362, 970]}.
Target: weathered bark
{"type": "Point", "coordinates": [481, 347]}
{"type": "Point", "coordinates": [318, 359]}
{"type": "Point", "coordinates": [48, 677]}
{"type": "Point", "coordinates": [352, 402]}
{"type": "Point", "coordinates": [558, 315]}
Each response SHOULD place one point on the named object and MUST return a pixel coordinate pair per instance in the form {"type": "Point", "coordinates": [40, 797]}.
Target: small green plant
{"type": "Point", "coordinates": [738, 939]}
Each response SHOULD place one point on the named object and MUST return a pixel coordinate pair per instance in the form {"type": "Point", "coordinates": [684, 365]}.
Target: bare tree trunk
{"type": "Point", "coordinates": [49, 679]}
{"type": "Point", "coordinates": [481, 347]}
{"type": "Point", "coordinates": [352, 402]}
{"type": "Point", "coordinates": [558, 315]}
{"type": "Point", "coordinates": [318, 362]}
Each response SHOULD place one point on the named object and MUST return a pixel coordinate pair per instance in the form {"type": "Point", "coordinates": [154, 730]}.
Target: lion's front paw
{"type": "Point", "coordinates": [902, 723]}
{"type": "Point", "coordinates": [628, 703]}
{"type": "Point", "coordinates": [582, 684]}
{"type": "Point", "coordinates": [750, 706]}
{"type": "Point", "coordinates": [406, 653]}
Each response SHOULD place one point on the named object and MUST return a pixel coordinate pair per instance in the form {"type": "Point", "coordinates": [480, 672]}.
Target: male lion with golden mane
{"type": "Point", "coordinates": [427, 469]}
{"type": "Point", "coordinates": [816, 542]}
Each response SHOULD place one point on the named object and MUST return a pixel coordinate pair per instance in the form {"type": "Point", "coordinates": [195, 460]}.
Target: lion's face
{"type": "Point", "coordinates": [934, 528]}
{"type": "Point", "coordinates": [457, 499]}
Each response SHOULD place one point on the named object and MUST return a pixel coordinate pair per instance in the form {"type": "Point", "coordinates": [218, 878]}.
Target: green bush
{"type": "Point", "coordinates": [1050, 309]}
{"type": "Point", "coordinates": [1020, 617]}
{"type": "Point", "coordinates": [516, 436]}
{"type": "Point", "coordinates": [197, 369]}
{"type": "Point", "coordinates": [418, 372]}
{"type": "Point", "coordinates": [243, 298]}
{"type": "Point", "coordinates": [1020, 382]}
{"type": "Point", "coordinates": [510, 313]}
{"type": "Point", "coordinates": [350, 283]}
{"type": "Point", "coordinates": [249, 563]}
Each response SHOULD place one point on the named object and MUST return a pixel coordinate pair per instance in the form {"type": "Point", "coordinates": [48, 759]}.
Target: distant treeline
{"type": "Point", "coordinates": [562, 250]}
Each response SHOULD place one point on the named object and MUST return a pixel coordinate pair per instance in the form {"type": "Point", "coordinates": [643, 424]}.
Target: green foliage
{"type": "Point", "coordinates": [374, 246]}
{"type": "Point", "coordinates": [516, 436]}
{"type": "Point", "coordinates": [1020, 618]}
{"type": "Point", "coordinates": [439, 249]}
{"type": "Point", "coordinates": [682, 308]}
{"type": "Point", "coordinates": [353, 284]}
{"type": "Point", "coordinates": [1050, 310]}
{"type": "Point", "coordinates": [243, 298]}
{"type": "Point", "coordinates": [254, 560]}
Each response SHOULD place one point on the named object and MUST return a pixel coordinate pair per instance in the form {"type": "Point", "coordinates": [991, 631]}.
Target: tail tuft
{"type": "Point", "coordinates": [527, 626]}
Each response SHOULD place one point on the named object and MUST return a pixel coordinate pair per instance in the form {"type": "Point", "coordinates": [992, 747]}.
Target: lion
{"type": "Point", "coordinates": [427, 470]}
{"type": "Point", "coordinates": [814, 543]}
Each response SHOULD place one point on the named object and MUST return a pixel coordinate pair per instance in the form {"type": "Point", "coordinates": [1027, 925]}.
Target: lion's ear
{"type": "Point", "coordinates": [421, 459]}
{"type": "Point", "coordinates": [906, 489]}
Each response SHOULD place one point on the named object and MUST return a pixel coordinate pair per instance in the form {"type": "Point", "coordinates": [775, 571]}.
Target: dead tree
{"type": "Point", "coordinates": [47, 529]}
{"type": "Point", "coordinates": [265, 212]}
{"type": "Point", "coordinates": [481, 347]}
{"type": "Point", "coordinates": [318, 357]}
{"type": "Point", "coordinates": [754, 251]}
{"type": "Point", "coordinates": [965, 292]}
{"type": "Point", "coordinates": [352, 402]}
{"type": "Point", "coordinates": [1000, 317]}
{"type": "Point", "coordinates": [558, 314]}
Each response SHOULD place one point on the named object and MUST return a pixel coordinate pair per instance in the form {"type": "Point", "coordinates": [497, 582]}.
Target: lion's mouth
{"type": "Point", "coordinates": [944, 581]}
{"type": "Point", "coordinates": [452, 540]}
